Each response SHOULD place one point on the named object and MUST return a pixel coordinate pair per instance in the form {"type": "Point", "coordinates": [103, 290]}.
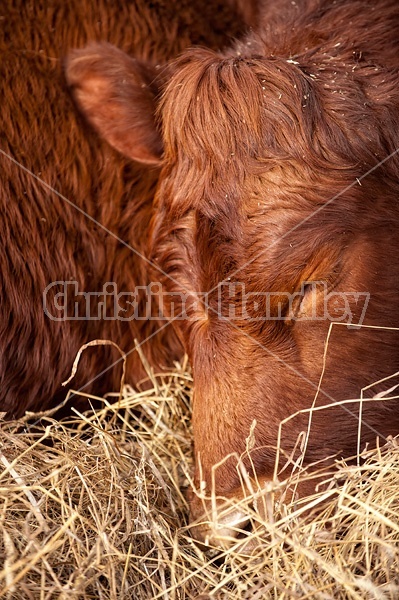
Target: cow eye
{"type": "Point", "coordinates": [304, 301]}
{"type": "Point", "coordinates": [314, 297]}
{"type": "Point", "coordinates": [307, 288]}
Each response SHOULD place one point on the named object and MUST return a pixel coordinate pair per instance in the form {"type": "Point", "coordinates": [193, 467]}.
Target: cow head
{"type": "Point", "coordinates": [276, 214]}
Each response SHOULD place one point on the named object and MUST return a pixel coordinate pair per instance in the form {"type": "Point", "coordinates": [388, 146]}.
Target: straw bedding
{"type": "Point", "coordinates": [94, 506]}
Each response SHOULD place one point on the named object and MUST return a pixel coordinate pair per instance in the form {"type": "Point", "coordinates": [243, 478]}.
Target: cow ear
{"type": "Point", "coordinates": [117, 94]}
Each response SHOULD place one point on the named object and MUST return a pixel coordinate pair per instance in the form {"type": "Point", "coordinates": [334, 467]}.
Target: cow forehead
{"type": "Point", "coordinates": [273, 242]}
{"type": "Point", "coordinates": [220, 112]}
{"type": "Point", "coordinates": [233, 126]}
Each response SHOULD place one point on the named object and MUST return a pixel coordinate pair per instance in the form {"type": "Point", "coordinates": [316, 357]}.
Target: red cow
{"type": "Point", "coordinates": [276, 213]}
{"type": "Point", "coordinates": [74, 212]}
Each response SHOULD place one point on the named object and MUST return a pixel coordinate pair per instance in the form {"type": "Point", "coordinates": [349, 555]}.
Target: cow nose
{"type": "Point", "coordinates": [228, 526]}
{"type": "Point", "coordinates": [235, 521]}
{"type": "Point", "coordinates": [238, 518]}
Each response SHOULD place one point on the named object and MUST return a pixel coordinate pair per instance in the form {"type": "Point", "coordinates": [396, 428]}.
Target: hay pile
{"type": "Point", "coordinates": [94, 507]}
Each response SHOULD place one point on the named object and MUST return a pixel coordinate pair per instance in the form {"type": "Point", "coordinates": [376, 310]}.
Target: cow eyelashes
{"type": "Point", "coordinates": [303, 302]}
{"type": "Point", "coordinates": [307, 288]}
{"type": "Point", "coordinates": [309, 298]}
{"type": "Point", "coordinates": [309, 292]}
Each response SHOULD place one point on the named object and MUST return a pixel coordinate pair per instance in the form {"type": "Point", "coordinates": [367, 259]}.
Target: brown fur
{"type": "Point", "coordinates": [262, 145]}
{"type": "Point", "coordinates": [46, 239]}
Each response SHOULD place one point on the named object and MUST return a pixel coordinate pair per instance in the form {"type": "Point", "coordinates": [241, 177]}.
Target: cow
{"type": "Point", "coordinates": [275, 215]}
{"type": "Point", "coordinates": [75, 213]}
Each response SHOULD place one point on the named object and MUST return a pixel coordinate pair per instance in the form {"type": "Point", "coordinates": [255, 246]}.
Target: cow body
{"type": "Point", "coordinates": [75, 213]}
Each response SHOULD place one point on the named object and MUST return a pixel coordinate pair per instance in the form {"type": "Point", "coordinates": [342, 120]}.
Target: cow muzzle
{"type": "Point", "coordinates": [235, 520]}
